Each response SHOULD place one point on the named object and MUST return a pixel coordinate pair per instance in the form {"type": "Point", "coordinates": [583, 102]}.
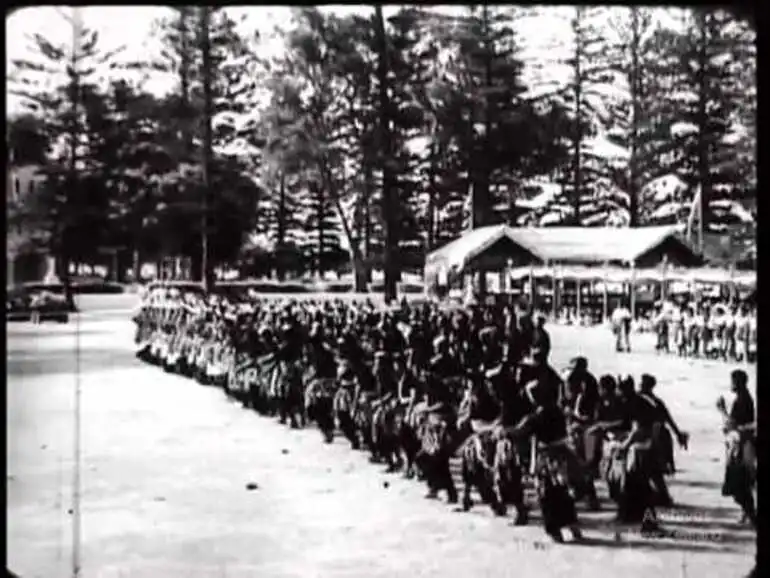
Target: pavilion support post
{"type": "Point", "coordinates": [482, 283]}
{"type": "Point", "coordinates": [633, 291]}
{"type": "Point", "coordinates": [508, 281]}
{"type": "Point", "coordinates": [554, 293]}
{"type": "Point", "coordinates": [577, 300]}
{"type": "Point", "coordinates": [732, 287]}
{"type": "Point", "coordinates": [532, 289]}
{"type": "Point", "coordinates": [693, 291]}
{"type": "Point", "coordinates": [605, 296]}
{"type": "Point", "coordinates": [469, 285]}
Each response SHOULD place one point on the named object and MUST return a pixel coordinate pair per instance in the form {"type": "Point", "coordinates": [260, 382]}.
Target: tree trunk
{"type": "Point", "coordinates": [196, 263]}
{"type": "Point", "coordinates": [368, 189]}
{"type": "Point", "coordinates": [281, 232]}
{"type": "Point", "coordinates": [137, 266]}
{"type": "Point", "coordinates": [431, 238]}
{"type": "Point", "coordinates": [633, 178]}
{"type": "Point", "coordinates": [72, 176]}
{"type": "Point", "coordinates": [63, 265]}
{"type": "Point", "coordinates": [389, 194]}
{"type": "Point", "coordinates": [320, 229]}
{"type": "Point", "coordinates": [704, 171]}
{"type": "Point", "coordinates": [355, 252]}
{"type": "Point", "coordinates": [578, 131]}
{"type": "Point", "coordinates": [207, 264]}
{"type": "Point", "coordinates": [184, 79]}
{"type": "Point", "coordinates": [483, 192]}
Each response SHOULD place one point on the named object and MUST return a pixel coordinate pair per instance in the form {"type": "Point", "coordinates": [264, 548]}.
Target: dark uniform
{"type": "Point", "coordinates": [636, 501]}
{"type": "Point", "coordinates": [740, 445]}
{"type": "Point", "coordinates": [442, 367]}
{"type": "Point", "coordinates": [541, 340]}
{"type": "Point", "coordinates": [383, 374]}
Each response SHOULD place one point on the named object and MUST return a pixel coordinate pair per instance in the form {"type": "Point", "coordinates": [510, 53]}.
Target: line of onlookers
{"type": "Point", "coordinates": [711, 329]}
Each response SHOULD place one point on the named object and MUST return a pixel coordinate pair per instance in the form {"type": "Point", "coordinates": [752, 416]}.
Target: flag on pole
{"type": "Point", "coordinates": [694, 215]}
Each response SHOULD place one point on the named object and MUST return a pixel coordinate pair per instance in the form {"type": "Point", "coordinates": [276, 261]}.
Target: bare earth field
{"type": "Point", "coordinates": [166, 463]}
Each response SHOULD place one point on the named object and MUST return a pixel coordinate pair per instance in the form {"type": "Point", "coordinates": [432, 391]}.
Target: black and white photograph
{"type": "Point", "coordinates": [381, 291]}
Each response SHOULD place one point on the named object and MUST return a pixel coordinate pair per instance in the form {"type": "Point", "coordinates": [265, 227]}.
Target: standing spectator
{"type": "Point", "coordinates": [621, 326]}
{"type": "Point", "coordinates": [739, 428]}
{"type": "Point", "coordinates": [37, 303]}
{"type": "Point", "coordinates": [541, 340]}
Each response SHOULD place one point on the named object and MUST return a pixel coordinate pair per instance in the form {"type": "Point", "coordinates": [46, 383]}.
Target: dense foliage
{"type": "Point", "coordinates": [366, 140]}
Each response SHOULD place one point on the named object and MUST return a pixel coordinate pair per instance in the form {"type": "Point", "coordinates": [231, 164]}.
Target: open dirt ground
{"type": "Point", "coordinates": [165, 464]}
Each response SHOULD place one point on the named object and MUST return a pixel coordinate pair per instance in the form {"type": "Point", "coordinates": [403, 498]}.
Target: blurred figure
{"type": "Point", "coordinates": [541, 340]}
{"type": "Point", "coordinates": [662, 443]}
{"type": "Point", "coordinates": [621, 326]}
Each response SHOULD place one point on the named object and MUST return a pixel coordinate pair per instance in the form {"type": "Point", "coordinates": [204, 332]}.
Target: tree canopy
{"type": "Point", "coordinates": [368, 139]}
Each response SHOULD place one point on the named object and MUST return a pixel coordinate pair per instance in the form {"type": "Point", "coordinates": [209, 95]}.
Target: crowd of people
{"type": "Point", "coordinates": [418, 386]}
{"type": "Point", "coordinates": [709, 330]}
{"type": "Point", "coordinates": [714, 329]}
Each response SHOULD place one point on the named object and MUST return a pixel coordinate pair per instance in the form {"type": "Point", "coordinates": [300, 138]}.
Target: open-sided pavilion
{"type": "Point", "coordinates": [597, 253]}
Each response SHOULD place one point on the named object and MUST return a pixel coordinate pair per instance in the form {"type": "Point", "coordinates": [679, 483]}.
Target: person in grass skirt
{"type": "Point", "coordinates": [621, 327]}
{"type": "Point", "coordinates": [641, 487]}
{"type": "Point", "coordinates": [663, 443]}
{"type": "Point", "coordinates": [344, 404]}
{"type": "Point", "coordinates": [547, 424]}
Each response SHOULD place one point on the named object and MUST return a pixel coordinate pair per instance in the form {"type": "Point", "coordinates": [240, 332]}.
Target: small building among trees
{"type": "Point", "coordinates": [26, 260]}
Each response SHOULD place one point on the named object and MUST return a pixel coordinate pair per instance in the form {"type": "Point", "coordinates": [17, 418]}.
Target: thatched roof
{"type": "Point", "coordinates": [575, 245]}
{"type": "Point", "coordinates": [458, 253]}
{"type": "Point", "coordinates": [592, 245]}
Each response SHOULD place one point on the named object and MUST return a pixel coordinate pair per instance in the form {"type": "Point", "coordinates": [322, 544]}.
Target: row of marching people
{"type": "Point", "coordinates": [417, 387]}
